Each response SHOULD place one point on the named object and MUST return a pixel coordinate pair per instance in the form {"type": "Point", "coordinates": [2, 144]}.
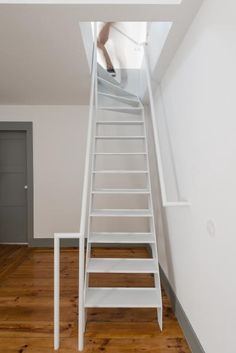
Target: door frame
{"type": "Point", "coordinates": [27, 127]}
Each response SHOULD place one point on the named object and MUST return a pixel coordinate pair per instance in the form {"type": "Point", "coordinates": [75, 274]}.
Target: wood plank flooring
{"type": "Point", "coordinates": [26, 308]}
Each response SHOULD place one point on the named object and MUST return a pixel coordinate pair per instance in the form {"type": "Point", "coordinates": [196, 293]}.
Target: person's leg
{"type": "Point", "coordinates": [101, 41]}
{"type": "Point", "coordinates": [105, 54]}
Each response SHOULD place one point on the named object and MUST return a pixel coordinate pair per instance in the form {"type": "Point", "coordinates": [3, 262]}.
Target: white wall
{"type": "Point", "coordinates": [87, 37]}
{"type": "Point", "coordinates": [198, 251]}
{"type": "Point", "coordinates": [59, 143]}
{"type": "Point", "coordinates": [59, 139]}
{"type": "Point", "coordinates": [157, 35]}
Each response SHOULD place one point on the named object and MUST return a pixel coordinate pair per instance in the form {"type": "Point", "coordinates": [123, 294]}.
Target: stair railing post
{"type": "Point", "coordinates": [56, 292]}
{"type": "Point", "coordinates": [57, 238]}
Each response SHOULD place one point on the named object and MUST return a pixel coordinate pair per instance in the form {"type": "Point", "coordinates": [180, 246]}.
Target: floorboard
{"type": "Point", "coordinates": [26, 307]}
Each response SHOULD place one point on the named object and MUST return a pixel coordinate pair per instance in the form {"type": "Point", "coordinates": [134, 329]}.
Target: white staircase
{"type": "Point", "coordinates": [120, 198]}
{"type": "Point", "coordinates": [117, 207]}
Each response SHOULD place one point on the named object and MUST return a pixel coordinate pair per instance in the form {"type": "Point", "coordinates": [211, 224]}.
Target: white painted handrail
{"type": "Point", "coordinates": [81, 235]}
{"type": "Point", "coordinates": [165, 202]}
{"type": "Point", "coordinates": [127, 36]}
{"type": "Point", "coordinates": [85, 196]}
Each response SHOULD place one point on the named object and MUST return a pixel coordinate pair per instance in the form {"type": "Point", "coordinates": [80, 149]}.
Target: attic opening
{"type": "Point", "coordinates": [126, 39]}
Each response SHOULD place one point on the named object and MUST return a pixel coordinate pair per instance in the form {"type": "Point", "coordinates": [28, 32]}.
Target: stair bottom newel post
{"type": "Point", "coordinates": [81, 311]}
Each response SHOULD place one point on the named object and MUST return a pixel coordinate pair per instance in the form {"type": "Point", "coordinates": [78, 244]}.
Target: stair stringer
{"type": "Point", "coordinates": [153, 230]}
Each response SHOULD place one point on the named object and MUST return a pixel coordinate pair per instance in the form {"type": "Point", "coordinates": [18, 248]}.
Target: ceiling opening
{"type": "Point", "coordinates": [125, 41]}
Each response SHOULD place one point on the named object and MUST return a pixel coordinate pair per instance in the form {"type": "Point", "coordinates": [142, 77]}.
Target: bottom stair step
{"type": "Point", "coordinates": [122, 298]}
{"type": "Point", "coordinates": [102, 265]}
{"type": "Point", "coordinates": [121, 238]}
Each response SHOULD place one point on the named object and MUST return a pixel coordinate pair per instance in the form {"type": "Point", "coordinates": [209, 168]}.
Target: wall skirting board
{"type": "Point", "coordinates": [49, 243]}
{"type": "Point", "coordinates": [182, 318]}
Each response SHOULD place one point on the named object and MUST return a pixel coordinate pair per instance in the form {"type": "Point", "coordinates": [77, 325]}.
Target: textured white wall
{"type": "Point", "coordinates": [59, 138]}
{"type": "Point", "coordinates": [198, 249]}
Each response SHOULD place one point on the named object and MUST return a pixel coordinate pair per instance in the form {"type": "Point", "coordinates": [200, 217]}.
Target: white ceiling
{"type": "Point", "coordinates": [42, 57]}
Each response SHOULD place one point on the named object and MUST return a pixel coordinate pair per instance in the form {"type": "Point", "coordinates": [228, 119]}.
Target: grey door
{"type": "Point", "coordinates": [13, 181]}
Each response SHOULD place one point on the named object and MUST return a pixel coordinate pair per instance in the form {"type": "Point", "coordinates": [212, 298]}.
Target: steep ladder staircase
{"type": "Point", "coordinates": [120, 135]}
{"type": "Point", "coordinates": [117, 206]}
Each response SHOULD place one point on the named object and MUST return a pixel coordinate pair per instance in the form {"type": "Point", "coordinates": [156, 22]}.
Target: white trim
{"type": "Point", "coordinates": [14, 243]}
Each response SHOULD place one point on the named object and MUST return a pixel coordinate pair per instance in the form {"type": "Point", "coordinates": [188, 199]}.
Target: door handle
{"type": "Point", "coordinates": [26, 187]}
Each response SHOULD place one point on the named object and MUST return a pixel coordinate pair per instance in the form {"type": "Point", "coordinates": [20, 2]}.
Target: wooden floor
{"type": "Point", "coordinates": [26, 308]}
